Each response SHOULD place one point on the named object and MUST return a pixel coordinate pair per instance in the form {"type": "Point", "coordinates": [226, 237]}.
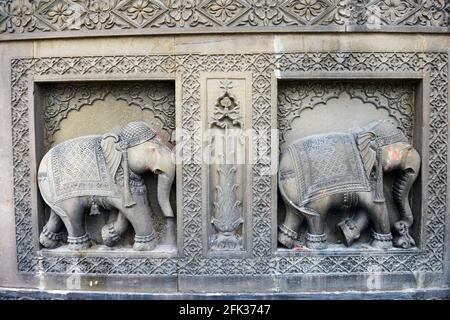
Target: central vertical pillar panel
{"type": "Point", "coordinates": [226, 125]}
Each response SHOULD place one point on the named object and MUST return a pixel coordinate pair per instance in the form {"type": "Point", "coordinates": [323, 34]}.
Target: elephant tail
{"type": "Point", "coordinates": [302, 209]}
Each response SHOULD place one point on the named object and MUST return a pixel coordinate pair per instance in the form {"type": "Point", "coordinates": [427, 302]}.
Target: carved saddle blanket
{"type": "Point", "coordinates": [327, 164]}
{"type": "Point", "coordinates": [78, 168]}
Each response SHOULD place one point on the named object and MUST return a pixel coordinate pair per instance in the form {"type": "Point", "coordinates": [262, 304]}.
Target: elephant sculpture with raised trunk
{"type": "Point", "coordinates": [345, 170]}
{"type": "Point", "coordinates": [105, 171]}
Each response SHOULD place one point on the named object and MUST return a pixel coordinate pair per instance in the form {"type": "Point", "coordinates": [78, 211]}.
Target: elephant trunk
{"type": "Point", "coordinates": [402, 186]}
{"type": "Point", "coordinates": [165, 180]}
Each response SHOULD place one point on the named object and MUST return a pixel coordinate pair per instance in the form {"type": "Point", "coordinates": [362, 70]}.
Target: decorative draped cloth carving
{"type": "Point", "coordinates": [327, 164]}
{"type": "Point", "coordinates": [334, 163]}
{"type": "Point", "coordinates": [88, 165]}
{"type": "Point", "coordinates": [78, 167]}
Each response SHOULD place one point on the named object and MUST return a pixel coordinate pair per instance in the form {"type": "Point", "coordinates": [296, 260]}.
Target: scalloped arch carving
{"type": "Point", "coordinates": [294, 97]}
{"type": "Point", "coordinates": [62, 99]}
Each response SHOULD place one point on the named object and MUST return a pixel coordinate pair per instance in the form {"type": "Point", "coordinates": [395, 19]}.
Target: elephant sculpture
{"type": "Point", "coordinates": [345, 170]}
{"type": "Point", "coordinates": [105, 171]}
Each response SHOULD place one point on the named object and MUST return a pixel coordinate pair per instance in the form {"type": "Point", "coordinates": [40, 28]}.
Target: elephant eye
{"type": "Point", "coordinates": [157, 171]}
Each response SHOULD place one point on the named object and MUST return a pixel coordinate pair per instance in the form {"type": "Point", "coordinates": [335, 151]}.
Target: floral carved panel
{"type": "Point", "coordinates": [226, 98]}
{"type": "Point", "coordinates": [68, 16]}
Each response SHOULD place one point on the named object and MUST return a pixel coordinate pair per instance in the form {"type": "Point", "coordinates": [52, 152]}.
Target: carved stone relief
{"type": "Point", "coordinates": [105, 171]}
{"type": "Point", "coordinates": [69, 16]}
{"type": "Point", "coordinates": [72, 110]}
{"type": "Point", "coordinates": [345, 170]}
{"type": "Point", "coordinates": [226, 101]}
{"type": "Point", "coordinates": [338, 105]}
{"type": "Point", "coordinates": [227, 208]}
{"type": "Point", "coordinates": [261, 259]}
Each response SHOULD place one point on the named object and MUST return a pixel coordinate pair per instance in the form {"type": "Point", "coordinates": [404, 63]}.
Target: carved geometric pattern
{"type": "Point", "coordinates": [262, 259]}
{"type": "Point", "coordinates": [79, 168]}
{"type": "Point", "coordinates": [109, 265]}
{"type": "Point", "coordinates": [29, 16]}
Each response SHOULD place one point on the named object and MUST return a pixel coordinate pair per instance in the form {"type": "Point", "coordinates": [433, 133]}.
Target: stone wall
{"type": "Point", "coordinates": [277, 57]}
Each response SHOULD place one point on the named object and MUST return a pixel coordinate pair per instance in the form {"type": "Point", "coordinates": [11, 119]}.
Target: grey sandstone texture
{"type": "Point", "coordinates": [232, 149]}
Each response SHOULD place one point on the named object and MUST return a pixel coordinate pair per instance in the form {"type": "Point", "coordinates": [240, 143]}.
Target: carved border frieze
{"type": "Point", "coordinates": [262, 260]}
{"type": "Point", "coordinates": [84, 17]}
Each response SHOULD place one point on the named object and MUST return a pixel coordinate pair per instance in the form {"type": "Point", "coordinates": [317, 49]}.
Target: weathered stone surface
{"type": "Point", "coordinates": [81, 17]}
{"type": "Point", "coordinates": [257, 61]}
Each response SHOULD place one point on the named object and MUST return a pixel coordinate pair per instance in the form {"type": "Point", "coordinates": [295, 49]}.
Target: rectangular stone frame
{"type": "Point", "coordinates": [30, 73]}
{"type": "Point", "coordinates": [420, 136]}
{"type": "Point", "coordinates": [263, 262]}
{"type": "Point", "coordinates": [246, 207]}
{"type": "Point", "coordinates": [430, 135]}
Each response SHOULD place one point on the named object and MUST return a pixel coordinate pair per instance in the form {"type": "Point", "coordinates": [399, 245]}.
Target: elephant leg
{"type": "Point", "coordinates": [112, 232]}
{"type": "Point", "coordinates": [51, 236]}
{"type": "Point", "coordinates": [287, 231]}
{"type": "Point", "coordinates": [316, 237]}
{"type": "Point", "coordinates": [381, 233]}
{"type": "Point", "coordinates": [169, 231]}
{"type": "Point", "coordinates": [145, 237]}
{"type": "Point", "coordinates": [140, 218]}
{"type": "Point", "coordinates": [74, 221]}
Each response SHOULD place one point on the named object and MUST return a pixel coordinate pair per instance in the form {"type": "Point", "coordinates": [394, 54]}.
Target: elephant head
{"type": "Point", "coordinates": [139, 149]}
{"type": "Point", "coordinates": [384, 148]}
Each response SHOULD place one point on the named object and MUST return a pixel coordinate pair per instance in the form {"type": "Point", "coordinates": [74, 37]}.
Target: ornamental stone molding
{"type": "Point", "coordinates": [40, 18]}
{"type": "Point", "coordinates": [428, 69]}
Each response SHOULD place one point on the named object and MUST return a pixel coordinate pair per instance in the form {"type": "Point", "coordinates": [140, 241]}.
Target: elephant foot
{"type": "Point", "coordinates": [50, 239]}
{"type": "Point", "coordinates": [145, 243]}
{"type": "Point", "coordinates": [169, 232]}
{"type": "Point", "coordinates": [316, 241]}
{"type": "Point", "coordinates": [286, 236]}
{"type": "Point", "coordinates": [109, 235]}
{"type": "Point", "coordinates": [381, 240]}
{"type": "Point", "coordinates": [79, 243]}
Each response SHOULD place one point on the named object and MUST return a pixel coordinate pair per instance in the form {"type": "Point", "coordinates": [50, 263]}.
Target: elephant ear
{"type": "Point", "coordinates": [112, 152]}
{"type": "Point", "coordinates": [368, 155]}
